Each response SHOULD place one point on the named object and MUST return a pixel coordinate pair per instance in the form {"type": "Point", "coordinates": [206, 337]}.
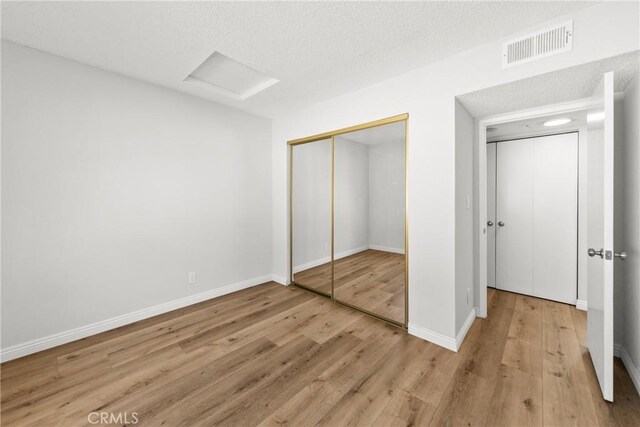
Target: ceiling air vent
{"type": "Point", "coordinates": [540, 44]}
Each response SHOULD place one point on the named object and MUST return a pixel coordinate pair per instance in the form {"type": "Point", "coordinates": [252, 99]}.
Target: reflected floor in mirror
{"type": "Point", "coordinates": [372, 280]}
{"type": "Point", "coordinates": [316, 278]}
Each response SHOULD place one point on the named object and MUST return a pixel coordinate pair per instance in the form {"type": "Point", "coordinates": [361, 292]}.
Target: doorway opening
{"type": "Point", "coordinates": [516, 118]}
{"type": "Point", "coordinates": [533, 202]}
{"type": "Point", "coordinates": [535, 214]}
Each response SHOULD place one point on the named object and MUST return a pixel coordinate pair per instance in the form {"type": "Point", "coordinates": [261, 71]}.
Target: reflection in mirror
{"type": "Point", "coordinates": [311, 215]}
{"type": "Point", "coordinates": [369, 215]}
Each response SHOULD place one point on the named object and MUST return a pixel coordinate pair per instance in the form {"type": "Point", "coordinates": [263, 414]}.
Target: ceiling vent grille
{"type": "Point", "coordinates": [540, 44]}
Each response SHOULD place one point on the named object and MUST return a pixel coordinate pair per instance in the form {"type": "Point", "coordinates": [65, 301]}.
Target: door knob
{"type": "Point", "coordinates": [592, 252]}
{"type": "Point", "coordinates": [501, 224]}
{"type": "Point", "coordinates": [622, 255]}
{"type": "Point", "coordinates": [490, 223]}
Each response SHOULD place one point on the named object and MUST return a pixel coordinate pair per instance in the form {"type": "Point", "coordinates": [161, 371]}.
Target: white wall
{"type": "Point", "coordinates": [387, 196]}
{"type": "Point", "coordinates": [113, 190]}
{"type": "Point", "coordinates": [427, 94]}
{"type": "Point", "coordinates": [622, 192]}
{"type": "Point", "coordinates": [630, 239]}
{"type": "Point", "coordinates": [465, 275]}
{"type": "Point", "coordinates": [583, 209]}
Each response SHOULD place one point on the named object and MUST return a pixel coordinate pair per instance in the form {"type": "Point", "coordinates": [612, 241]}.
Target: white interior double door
{"type": "Point", "coordinates": [532, 192]}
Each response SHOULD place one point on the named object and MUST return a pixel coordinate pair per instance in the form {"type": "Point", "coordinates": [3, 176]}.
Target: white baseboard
{"type": "Point", "coordinates": [387, 249]}
{"type": "Point", "coordinates": [617, 350]}
{"type": "Point", "coordinates": [44, 343]}
{"type": "Point", "coordinates": [465, 328]}
{"type": "Point", "coordinates": [634, 371]}
{"type": "Point", "coordinates": [581, 304]}
{"type": "Point", "coordinates": [434, 337]}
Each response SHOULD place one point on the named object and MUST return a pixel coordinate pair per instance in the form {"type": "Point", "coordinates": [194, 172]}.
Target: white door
{"type": "Point", "coordinates": [600, 235]}
{"type": "Point", "coordinates": [537, 208]}
{"type": "Point", "coordinates": [555, 217]}
{"type": "Point", "coordinates": [491, 215]}
{"type": "Point", "coordinates": [514, 216]}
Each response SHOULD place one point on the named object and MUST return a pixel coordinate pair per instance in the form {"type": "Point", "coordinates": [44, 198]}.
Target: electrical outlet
{"type": "Point", "coordinates": [193, 278]}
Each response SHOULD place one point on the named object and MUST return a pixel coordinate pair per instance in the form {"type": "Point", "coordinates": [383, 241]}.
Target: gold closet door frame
{"type": "Point", "coordinates": [291, 281]}
{"type": "Point", "coordinates": [332, 134]}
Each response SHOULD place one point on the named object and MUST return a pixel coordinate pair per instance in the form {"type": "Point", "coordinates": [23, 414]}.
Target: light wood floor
{"type": "Point", "coordinates": [273, 355]}
{"type": "Point", "coordinates": [372, 280]}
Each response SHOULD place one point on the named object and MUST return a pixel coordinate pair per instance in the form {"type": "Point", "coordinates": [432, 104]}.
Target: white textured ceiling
{"type": "Point", "coordinates": [551, 88]}
{"type": "Point", "coordinates": [535, 126]}
{"type": "Point", "coordinates": [317, 50]}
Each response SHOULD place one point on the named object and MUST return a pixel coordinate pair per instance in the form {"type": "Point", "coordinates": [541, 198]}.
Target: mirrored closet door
{"type": "Point", "coordinates": [311, 215]}
{"type": "Point", "coordinates": [348, 217]}
{"type": "Point", "coordinates": [369, 224]}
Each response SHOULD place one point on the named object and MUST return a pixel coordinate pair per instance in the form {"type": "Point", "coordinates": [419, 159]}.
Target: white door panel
{"type": "Point", "coordinates": [600, 236]}
{"type": "Point", "coordinates": [537, 200]}
{"type": "Point", "coordinates": [491, 215]}
{"type": "Point", "coordinates": [514, 209]}
{"type": "Point", "coordinates": [555, 217]}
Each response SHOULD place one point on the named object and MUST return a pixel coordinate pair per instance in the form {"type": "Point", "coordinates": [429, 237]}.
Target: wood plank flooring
{"type": "Point", "coordinates": [372, 280]}
{"type": "Point", "coordinates": [274, 356]}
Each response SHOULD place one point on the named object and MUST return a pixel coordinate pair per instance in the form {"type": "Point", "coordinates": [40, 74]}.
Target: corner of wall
{"type": "Point", "coordinates": [433, 337]}
{"type": "Point", "coordinates": [632, 368]}
{"type": "Point", "coordinates": [465, 247]}
{"type": "Point", "coordinates": [464, 329]}
{"type": "Point", "coordinates": [279, 279]}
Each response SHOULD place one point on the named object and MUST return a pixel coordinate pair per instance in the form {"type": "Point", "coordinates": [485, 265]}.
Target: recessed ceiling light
{"type": "Point", "coordinates": [556, 122]}
{"type": "Point", "coordinates": [595, 117]}
{"type": "Point", "coordinates": [230, 77]}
